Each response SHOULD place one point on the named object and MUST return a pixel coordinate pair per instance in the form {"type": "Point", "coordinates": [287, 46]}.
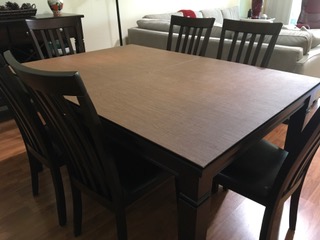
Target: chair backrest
{"type": "Point", "coordinates": [247, 41]}
{"type": "Point", "coordinates": [32, 128]}
{"type": "Point", "coordinates": [296, 165]}
{"type": "Point", "coordinates": [76, 126]}
{"type": "Point", "coordinates": [54, 37]}
{"type": "Point", "coordinates": [193, 34]}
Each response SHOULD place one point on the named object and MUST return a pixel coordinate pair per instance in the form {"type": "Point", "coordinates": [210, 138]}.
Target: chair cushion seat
{"type": "Point", "coordinates": [136, 173]}
{"type": "Point", "coordinates": [254, 172]}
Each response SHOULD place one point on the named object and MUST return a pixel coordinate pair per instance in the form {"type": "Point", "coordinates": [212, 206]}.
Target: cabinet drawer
{"type": "Point", "coordinates": [18, 33]}
{"type": "Point", "coordinates": [4, 39]}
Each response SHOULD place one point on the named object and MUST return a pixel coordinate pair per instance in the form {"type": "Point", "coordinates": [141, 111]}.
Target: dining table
{"type": "Point", "coordinates": [189, 115]}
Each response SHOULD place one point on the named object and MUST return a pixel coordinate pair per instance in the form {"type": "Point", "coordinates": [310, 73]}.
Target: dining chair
{"type": "Point", "coordinates": [193, 34]}
{"type": "Point", "coordinates": [39, 146]}
{"type": "Point", "coordinates": [114, 174]}
{"type": "Point", "coordinates": [54, 37]}
{"type": "Point", "coordinates": [270, 175]}
{"type": "Point", "coordinates": [252, 42]}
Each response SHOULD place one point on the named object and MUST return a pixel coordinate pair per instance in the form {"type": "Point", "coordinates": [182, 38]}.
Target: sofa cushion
{"type": "Point", "coordinates": [163, 16]}
{"type": "Point", "coordinates": [219, 15]}
{"type": "Point", "coordinates": [154, 24]}
{"type": "Point", "coordinates": [231, 13]}
{"type": "Point", "coordinates": [295, 38]}
{"type": "Point", "coordinates": [213, 13]}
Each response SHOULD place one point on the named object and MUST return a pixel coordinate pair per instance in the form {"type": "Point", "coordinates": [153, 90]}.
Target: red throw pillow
{"type": "Point", "coordinates": [188, 13]}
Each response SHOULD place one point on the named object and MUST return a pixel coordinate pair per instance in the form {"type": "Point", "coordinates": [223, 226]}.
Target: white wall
{"type": "Point", "coordinates": [100, 21]}
{"type": "Point", "coordinates": [245, 5]}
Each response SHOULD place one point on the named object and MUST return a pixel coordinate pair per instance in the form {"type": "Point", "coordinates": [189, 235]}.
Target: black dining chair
{"type": "Point", "coordinates": [252, 42]}
{"type": "Point", "coordinates": [193, 34]}
{"type": "Point", "coordinates": [112, 174]}
{"type": "Point", "coordinates": [270, 175]}
{"type": "Point", "coordinates": [54, 37]}
{"type": "Point", "coordinates": [37, 139]}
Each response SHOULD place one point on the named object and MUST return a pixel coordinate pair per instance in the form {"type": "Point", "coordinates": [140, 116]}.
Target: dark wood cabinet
{"type": "Point", "coordinates": [14, 36]}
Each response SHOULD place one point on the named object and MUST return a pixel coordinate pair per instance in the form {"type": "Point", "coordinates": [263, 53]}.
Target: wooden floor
{"type": "Point", "coordinates": [23, 216]}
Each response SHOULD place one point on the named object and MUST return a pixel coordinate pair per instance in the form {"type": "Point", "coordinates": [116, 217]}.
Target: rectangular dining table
{"type": "Point", "coordinates": [189, 115]}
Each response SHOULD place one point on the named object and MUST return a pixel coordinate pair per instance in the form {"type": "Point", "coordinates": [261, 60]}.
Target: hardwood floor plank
{"type": "Point", "coordinates": [11, 143]}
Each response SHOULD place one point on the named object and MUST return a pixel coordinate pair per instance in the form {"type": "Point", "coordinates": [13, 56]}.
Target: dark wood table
{"type": "Point", "coordinates": [190, 115]}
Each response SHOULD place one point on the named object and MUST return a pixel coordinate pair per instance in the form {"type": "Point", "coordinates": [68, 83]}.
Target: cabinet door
{"type": "Point", "coordinates": [4, 39]}
{"type": "Point", "coordinates": [18, 33]}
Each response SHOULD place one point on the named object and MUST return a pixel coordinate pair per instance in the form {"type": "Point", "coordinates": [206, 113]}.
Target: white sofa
{"type": "Point", "coordinates": [296, 51]}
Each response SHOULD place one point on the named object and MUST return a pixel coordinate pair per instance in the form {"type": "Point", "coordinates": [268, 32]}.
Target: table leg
{"type": "Point", "coordinates": [194, 208]}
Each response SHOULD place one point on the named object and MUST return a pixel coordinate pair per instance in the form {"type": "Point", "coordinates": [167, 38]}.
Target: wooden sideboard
{"type": "Point", "coordinates": [14, 35]}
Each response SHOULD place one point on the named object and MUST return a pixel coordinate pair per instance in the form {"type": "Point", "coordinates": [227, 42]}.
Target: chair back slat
{"type": "Point", "coordinates": [56, 37]}
{"type": "Point", "coordinates": [247, 41]}
{"type": "Point", "coordinates": [257, 50]}
{"type": "Point", "coordinates": [193, 34]}
{"type": "Point", "coordinates": [234, 42]}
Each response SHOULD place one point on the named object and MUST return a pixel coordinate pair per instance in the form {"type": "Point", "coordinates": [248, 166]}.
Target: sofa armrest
{"type": "Point", "coordinates": [285, 58]}
{"type": "Point", "coordinates": [309, 63]}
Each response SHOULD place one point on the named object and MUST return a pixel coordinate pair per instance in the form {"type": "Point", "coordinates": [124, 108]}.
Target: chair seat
{"type": "Point", "coordinates": [136, 174]}
{"type": "Point", "coordinates": [58, 155]}
{"type": "Point", "coordinates": [254, 172]}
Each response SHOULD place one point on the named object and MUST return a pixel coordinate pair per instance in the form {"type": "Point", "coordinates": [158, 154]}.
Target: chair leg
{"type": "Point", "coordinates": [271, 223]}
{"type": "Point", "coordinates": [294, 203]}
{"type": "Point", "coordinates": [121, 224]}
{"type": "Point", "coordinates": [77, 210]}
{"type": "Point", "coordinates": [215, 187]}
{"type": "Point", "coordinates": [60, 197]}
{"type": "Point", "coordinates": [39, 166]}
{"type": "Point", "coordinates": [34, 170]}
